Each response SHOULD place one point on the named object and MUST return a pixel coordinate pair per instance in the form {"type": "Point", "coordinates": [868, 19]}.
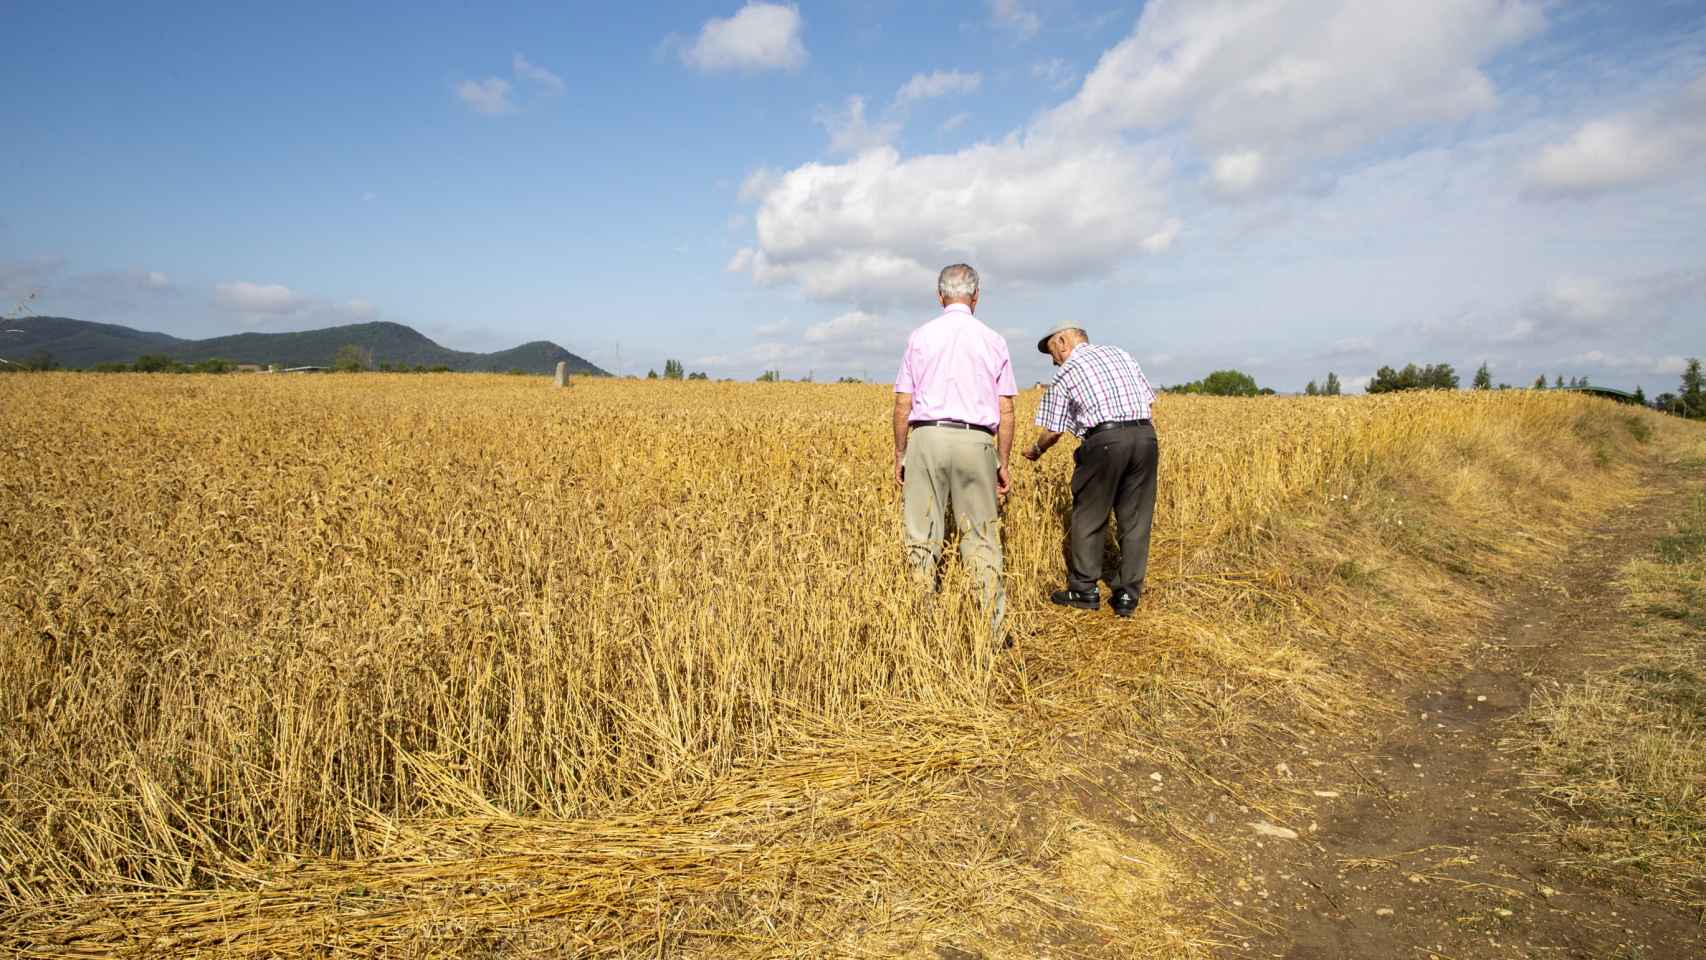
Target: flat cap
{"type": "Point", "coordinates": [1042, 345]}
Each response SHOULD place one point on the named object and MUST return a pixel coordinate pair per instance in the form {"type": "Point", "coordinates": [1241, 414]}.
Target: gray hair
{"type": "Point", "coordinates": [957, 282]}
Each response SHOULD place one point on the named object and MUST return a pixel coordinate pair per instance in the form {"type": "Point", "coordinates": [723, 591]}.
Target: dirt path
{"type": "Point", "coordinates": [1431, 851]}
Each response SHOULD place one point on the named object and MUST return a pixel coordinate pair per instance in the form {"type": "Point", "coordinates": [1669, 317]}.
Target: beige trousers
{"type": "Point", "coordinates": [951, 467]}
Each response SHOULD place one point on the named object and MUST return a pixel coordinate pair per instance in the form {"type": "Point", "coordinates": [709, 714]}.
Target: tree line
{"type": "Point", "coordinates": [673, 370]}
{"type": "Point", "coordinates": [1688, 401]}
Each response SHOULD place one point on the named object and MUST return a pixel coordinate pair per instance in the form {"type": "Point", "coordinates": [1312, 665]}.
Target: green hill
{"type": "Point", "coordinates": [79, 343]}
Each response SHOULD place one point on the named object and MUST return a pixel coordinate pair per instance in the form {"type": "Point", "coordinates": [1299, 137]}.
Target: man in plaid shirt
{"type": "Point", "coordinates": [1101, 396]}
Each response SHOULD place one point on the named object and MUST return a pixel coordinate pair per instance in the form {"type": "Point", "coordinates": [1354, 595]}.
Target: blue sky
{"type": "Point", "coordinates": [1288, 186]}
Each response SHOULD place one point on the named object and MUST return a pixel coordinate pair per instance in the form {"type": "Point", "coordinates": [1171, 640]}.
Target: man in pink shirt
{"type": "Point", "coordinates": [953, 430]}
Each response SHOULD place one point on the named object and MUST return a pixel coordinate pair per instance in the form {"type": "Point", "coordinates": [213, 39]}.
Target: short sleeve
{"type": "Point", "coordinates": [1051, 413]}
{"type": "Point", "coordinates": [1004, 385]}
{"type": "Point", "coordinates": [903, 380]}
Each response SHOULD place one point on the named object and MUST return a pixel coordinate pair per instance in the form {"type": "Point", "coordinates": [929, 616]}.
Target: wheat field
{"type": "Point", "coordinates": [468, 665]}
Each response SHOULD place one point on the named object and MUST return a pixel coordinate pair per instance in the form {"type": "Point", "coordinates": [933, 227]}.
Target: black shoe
{"type": "Point", "coordinates": [1124, 601]}
{"type": "Point", "coordinates": [1082, 599]}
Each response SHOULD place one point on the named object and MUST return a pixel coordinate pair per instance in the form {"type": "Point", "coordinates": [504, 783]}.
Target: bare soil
{"type": "Point", "coordinates": [1424, 843]}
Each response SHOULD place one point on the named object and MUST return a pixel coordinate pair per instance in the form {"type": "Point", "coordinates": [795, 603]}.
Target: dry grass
{"type": "Point", "coordinates": [1619, 760]}
{"type": "Point", "coordinates": [468, 665]}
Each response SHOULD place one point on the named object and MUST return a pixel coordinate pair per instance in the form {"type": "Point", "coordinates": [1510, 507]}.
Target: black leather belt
{"type": "Point", "coordinates": [956, 424]}
{"type": "Point", "coordinates": [1113, 425]}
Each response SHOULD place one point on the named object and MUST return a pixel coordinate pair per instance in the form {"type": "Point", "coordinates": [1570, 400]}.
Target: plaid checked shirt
{"type": "Point", "coordinates": [1096, 384]}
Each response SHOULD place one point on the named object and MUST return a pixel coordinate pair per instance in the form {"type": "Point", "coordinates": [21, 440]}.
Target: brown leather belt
{"type": "Point", "coordinates": [955, 424]}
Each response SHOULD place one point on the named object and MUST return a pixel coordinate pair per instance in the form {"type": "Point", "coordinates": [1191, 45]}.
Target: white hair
{"type": "Point", "coordinates": [957, 282]}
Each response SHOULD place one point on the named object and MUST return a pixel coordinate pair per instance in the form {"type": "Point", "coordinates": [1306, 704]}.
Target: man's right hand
{"type": "Point", "coordinates": [900, 470]}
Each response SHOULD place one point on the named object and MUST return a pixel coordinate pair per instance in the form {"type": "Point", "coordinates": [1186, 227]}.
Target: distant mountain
{"type": "Point", "coordinates": [79, 343]}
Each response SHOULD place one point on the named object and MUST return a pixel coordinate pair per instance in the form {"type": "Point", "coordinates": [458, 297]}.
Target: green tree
{"type": "Point", "coordinates": [698, 375]}
{"type": "Point", "coordinates": [1332, 389]}
{"type": "Point", "coordinates": [1640, 395]}
{"type": "Point", "coordinates": [155, 363]}
{"type": "Point", "coordinates": [1434, 376]}
{"type": "Point", "coordinates": [1311, 390]}
{"type": "Point", "coordinates": [651, 374]}
{"type": "Point", "coordinates": [1540, 382]}
{"type": "Point", "coordinates": [1228, 383]}
{"type": "Point", "coordinates": [1439, 376]}
{"type": "Point", "coordinates": [213, 365]}
{"type": "Point", "coordinates": [1483, 378]}
{"type": "Point", "coordinates": [352, 358]}
{"type": "Point", "coordinates": [770, 376]}
{"type": "Point", "coordinates": [1558, 384]}
{"type": "Point", "coordinates": [1693, 391]}
{"type": "Point", "coordinates": [672, 370]}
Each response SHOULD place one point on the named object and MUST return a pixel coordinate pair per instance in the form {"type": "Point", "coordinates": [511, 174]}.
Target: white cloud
{"type": "Point", "coordinates": [1351, 347]}
{"type": "Point", "coordinates": [258, 298]}
{"type": "Point", "coordinates": [1626, 150]}
{"type": "Point", "coordinates": [741, 262]}
{"type": "Point", "coordinates": [1625, 363]}
{"type": "Point", "coordinates": [1257, 89]}
{"type": "Point", "coordinates": [1291, 80]}
{"type": "Point", "coordinates": [1572, 307]}
{"type": "Point", "coordinates": [1585, 309]}
{"type": "Point", "coordinates": [1373, 226]}
{"type": "Point", "coordinates": [761, 36]}
{"type": "Point", "coordinates": [850, 132]}
{"type": "Point", "coordinates": [274, 303]}
{"type": "Point", "coordinates": [955, 122]}
{"type": "Point", "coordinates": [1237, 172]}
{"type": "Point", "coordinates": [758, 183]}
{"type": "Point", "coordinates": [772, 329]}
{"type": "Point", "coordinates": [1012, 15]}
{"type": "Point", "coordinates": [491, 95]}
{"type": "Point", "coordinates": [1056, 73]}
{"type": "Point", "coordinates": [926, 86]}
{"type": "Point", "coordinates": [1162, 239]}
{"type": "Point", "coordinates": [876, 229]}
{"type": "Point", "coordinates": [532, 71]}
{"type": "Point", "coordinates": [854, 326]}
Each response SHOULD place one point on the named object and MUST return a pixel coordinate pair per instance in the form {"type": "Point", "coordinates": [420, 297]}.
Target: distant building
{"type": "Point", "coordinates": [250, 368]}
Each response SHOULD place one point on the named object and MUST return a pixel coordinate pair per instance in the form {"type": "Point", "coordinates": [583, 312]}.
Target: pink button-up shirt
{"type": "Point", "coordinates": [956, 369]}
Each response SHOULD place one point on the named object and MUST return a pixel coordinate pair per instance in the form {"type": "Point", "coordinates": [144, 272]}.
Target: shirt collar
{"type": "Point", "coordinates": [1077, 352]}
{"type": "Point", "coordinates": [957, 308]}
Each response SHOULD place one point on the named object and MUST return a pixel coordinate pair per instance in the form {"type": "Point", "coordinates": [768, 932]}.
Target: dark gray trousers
{"type": "Point", "coordinates": [1115, 471]}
